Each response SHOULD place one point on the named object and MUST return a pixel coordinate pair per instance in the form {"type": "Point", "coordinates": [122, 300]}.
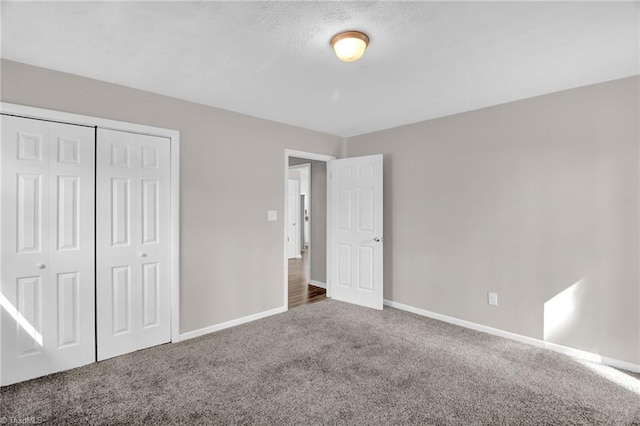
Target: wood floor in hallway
{"type": "Point", "coordinates": [300, 291]}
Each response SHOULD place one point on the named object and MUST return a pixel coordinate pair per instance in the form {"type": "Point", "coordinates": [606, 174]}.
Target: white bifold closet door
{"type": "Point", "coordinates": [133, 242]}
{"type": "Point", "coordinates": [47, 290]}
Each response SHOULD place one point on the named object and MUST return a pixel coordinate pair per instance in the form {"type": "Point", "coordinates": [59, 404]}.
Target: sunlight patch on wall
{"type": "Point", "coordinates": [22, 321]}
{"type": "Point", "coordinates": [560, 310]}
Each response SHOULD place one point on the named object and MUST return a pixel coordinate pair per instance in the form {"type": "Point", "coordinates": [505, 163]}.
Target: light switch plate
{"type": "Point", "coordinates": [272, 215]}
{"type": "Point", "coordinates": [492, 299]}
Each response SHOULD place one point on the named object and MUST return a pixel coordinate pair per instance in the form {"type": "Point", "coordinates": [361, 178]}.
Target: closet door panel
{"type": "Point", "coordinates": [72, 245]}
{"type": "Point", "coordinates": [117, 294]}
{"type": "Point", "coordinates": [25, 231]}
{"type": "Point", "coordinates": [47, 292]}
{"type": "Point", "coordinates": [29, 220]}
{"type": "Point", "coordinates": [133, 244]}
{"type": "Point", "coordinates": [29, 316]}
{"type": "Point", "coordinates": [153, 239]}
{"type": "Point", "coordinates": [120, 219]}
{"type": "Point", "coordinates": [68, 305]}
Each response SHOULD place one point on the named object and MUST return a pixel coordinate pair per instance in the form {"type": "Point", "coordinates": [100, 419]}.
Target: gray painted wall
{"type": "Point", "coordinates": [232, 258]}
{"type": "Point", "coordinates": [524, 199]}
{"type": "Point", "coordinates": [318, 217]}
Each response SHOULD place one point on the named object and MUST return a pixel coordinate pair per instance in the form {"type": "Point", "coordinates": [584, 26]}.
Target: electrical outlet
{"type": "Point", "coordinates": [492, 298]}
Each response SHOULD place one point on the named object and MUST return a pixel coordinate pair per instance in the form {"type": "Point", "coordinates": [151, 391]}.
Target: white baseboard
{"type": "Point", "coordinates": [589, 356]}
{"type": "Point", "coordinates": [318, 284]}
{"type": "Point", "coordinates": [232, 323]}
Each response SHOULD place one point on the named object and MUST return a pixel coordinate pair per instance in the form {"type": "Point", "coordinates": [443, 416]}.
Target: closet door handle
{"type": "Point", "coordinates": [41, 265]}
{"type": "Point", "coordinates": [142, 254]}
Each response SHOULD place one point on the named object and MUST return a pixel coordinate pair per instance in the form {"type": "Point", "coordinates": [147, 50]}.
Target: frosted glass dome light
{"type": "Point", "coordinates": [350, 45]}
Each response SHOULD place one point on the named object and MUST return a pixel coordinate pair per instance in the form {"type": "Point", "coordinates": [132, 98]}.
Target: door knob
{"type": "Point", "coordinates": [377, 239]}
{"type": "Point", "coordinates": [142, 254]}
{"type": "Point", "coordinates": [40, 265]}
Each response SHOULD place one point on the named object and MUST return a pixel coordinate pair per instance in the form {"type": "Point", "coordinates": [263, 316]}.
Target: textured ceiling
{"type": "Point", "coordinates": [273, 59]}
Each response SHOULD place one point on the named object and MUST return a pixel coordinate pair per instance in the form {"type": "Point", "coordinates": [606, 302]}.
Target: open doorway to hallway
{"type": "Point", "coordinates": [306, 230]}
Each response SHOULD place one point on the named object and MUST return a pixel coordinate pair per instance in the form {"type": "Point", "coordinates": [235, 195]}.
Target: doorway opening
{"type": "Point", "coordinates": [351, 262]}
{"type": "Point", "coordinates": [305, 228]}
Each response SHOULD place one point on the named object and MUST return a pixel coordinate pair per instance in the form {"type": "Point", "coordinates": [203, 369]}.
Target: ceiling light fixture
{"type": "Point", "coordinates": [350, 45]}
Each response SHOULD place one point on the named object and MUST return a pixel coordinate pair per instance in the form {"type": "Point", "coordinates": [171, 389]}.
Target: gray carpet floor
{"type": "Point", "coordinates": [330, 363]}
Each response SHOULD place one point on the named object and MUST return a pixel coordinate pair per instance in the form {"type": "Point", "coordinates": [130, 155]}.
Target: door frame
{"type": "Point", "coordinates": [307, 156]}
{"type": "Point", "coordinates": [172, 135]}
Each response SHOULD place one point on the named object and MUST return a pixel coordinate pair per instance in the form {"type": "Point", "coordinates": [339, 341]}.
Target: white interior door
{"type": "Point", "coordinates": [47, 291]}
{"type": "Point", "coordinates": [356, 230]}
{"type": "Point", "coordinates": [133, 242]}
{"type": "Point", "coordinates": [293, 215]}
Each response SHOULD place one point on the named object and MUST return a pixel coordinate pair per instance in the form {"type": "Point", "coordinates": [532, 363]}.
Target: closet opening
{"type": "Point", "coordinates": [89, 225]}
